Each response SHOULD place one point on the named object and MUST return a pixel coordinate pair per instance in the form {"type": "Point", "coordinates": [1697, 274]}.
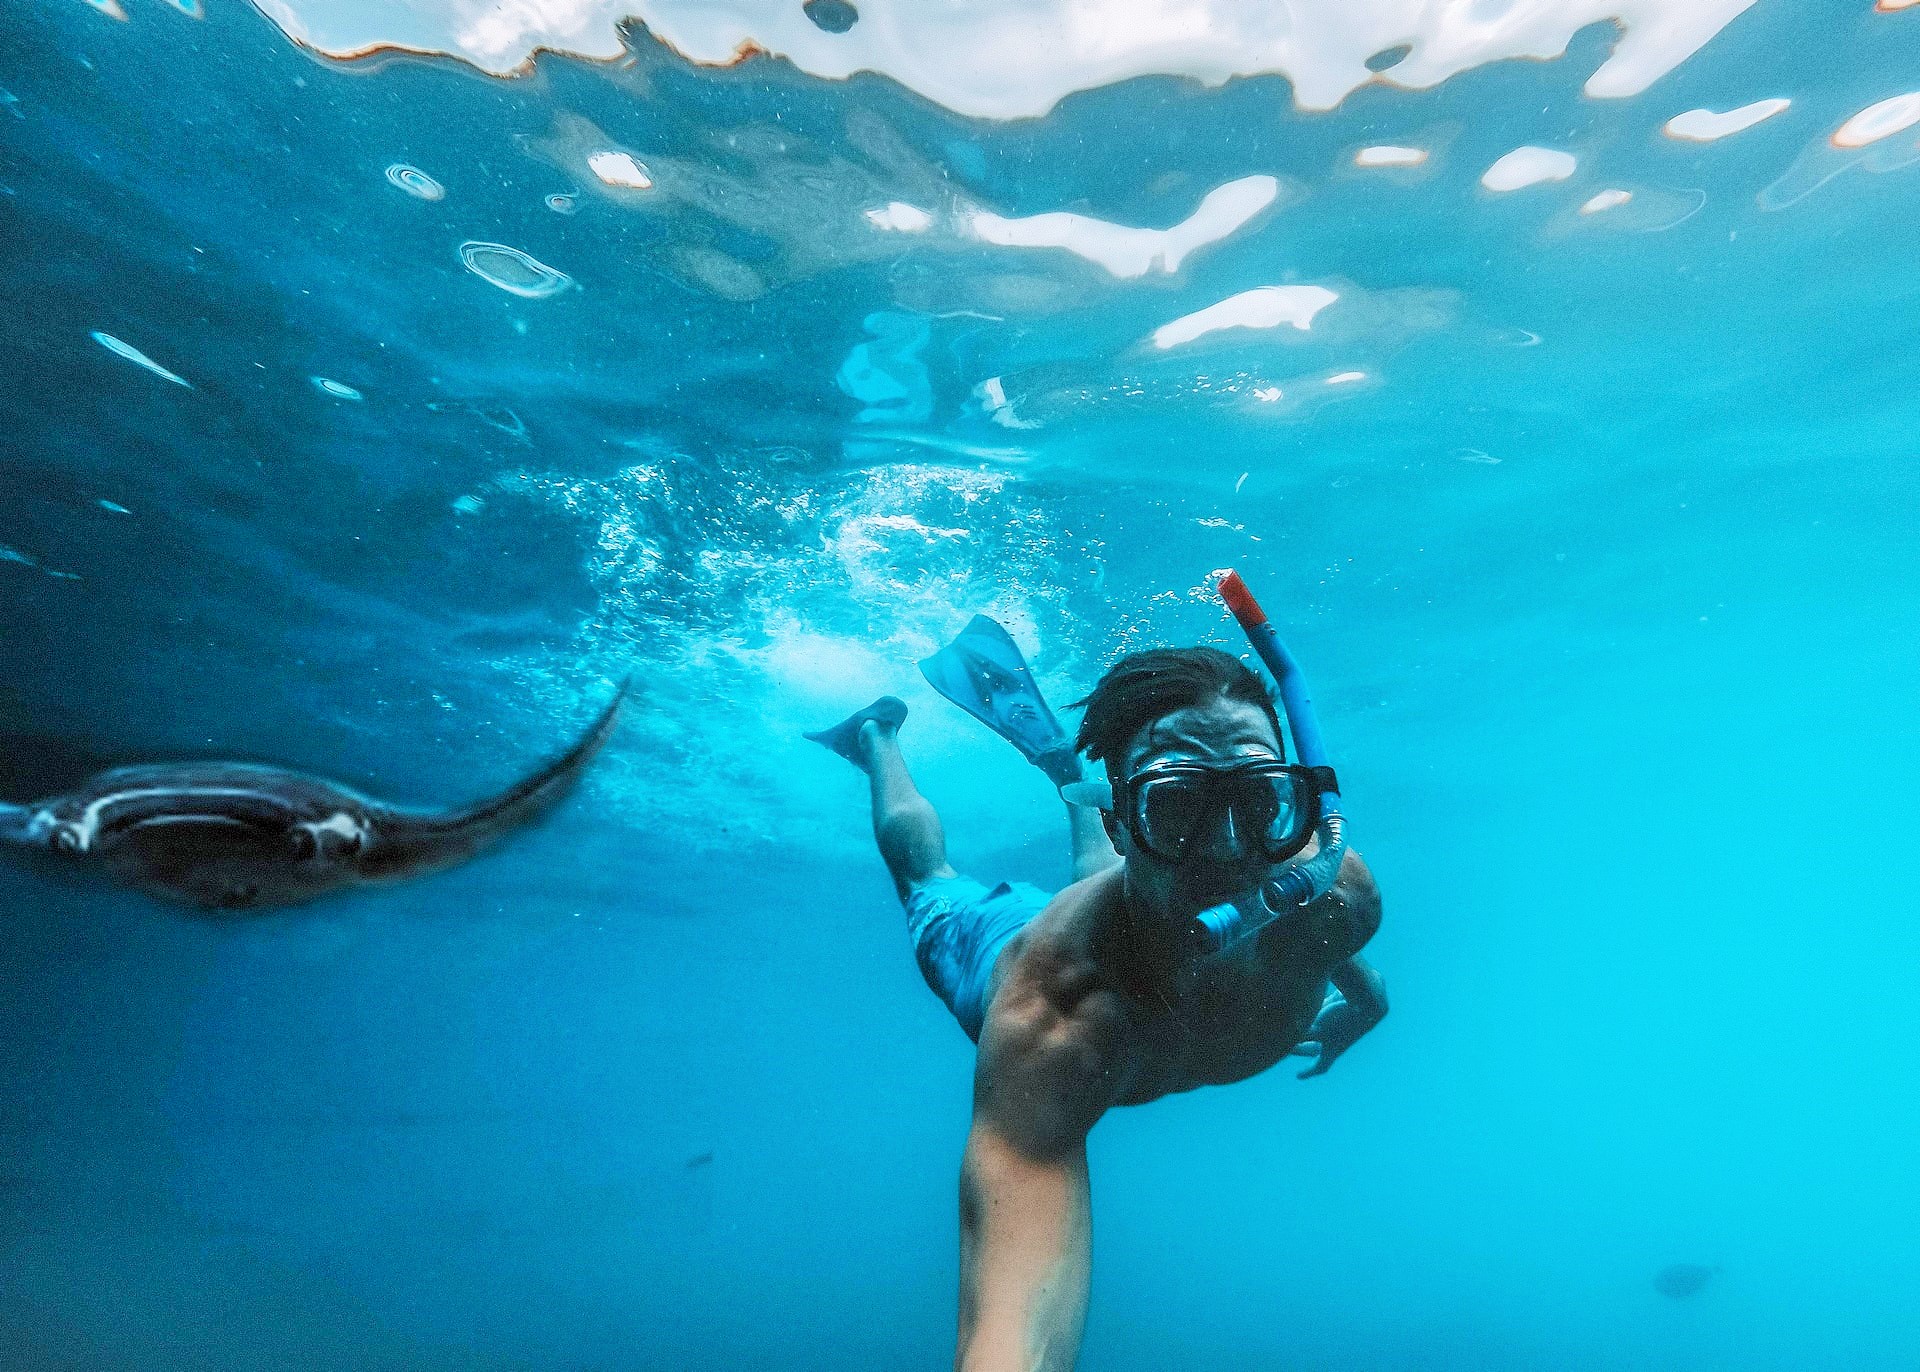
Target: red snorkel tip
{"type": "Point", "coordinates": [1240, 600]}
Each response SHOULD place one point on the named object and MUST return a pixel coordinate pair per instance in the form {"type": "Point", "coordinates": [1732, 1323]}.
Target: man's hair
{"type": "Point", "coordinates": [1143, 687]}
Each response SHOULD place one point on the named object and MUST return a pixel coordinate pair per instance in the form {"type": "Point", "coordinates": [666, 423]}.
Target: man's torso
{"type": "Point", "coordinates": [1218, 1019]}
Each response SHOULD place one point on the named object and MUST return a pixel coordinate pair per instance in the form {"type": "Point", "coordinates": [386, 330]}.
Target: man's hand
{"type": "Point", "coordinates": [1336, 1028]}
{"type": "Point", "coordinates": [1357, 1002]}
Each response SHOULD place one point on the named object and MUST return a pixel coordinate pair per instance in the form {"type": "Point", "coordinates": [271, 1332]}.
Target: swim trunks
{"type": "Point", "coordinates": [959, 930]}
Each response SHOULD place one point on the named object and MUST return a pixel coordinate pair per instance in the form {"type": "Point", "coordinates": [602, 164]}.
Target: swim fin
{"type": "Point", "coordinates": [983, 673]}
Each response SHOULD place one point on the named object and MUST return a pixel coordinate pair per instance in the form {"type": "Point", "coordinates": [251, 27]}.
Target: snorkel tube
{"type": "Point", "coordinates": [1301, 880]}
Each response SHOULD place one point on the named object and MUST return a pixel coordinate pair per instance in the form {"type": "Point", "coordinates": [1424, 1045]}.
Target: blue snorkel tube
{"type": "Point", "coordinates": [1302, 880]}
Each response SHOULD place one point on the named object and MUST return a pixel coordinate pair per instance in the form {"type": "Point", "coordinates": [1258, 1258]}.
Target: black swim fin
{"type": "Point", "coordinates": [983, 673]}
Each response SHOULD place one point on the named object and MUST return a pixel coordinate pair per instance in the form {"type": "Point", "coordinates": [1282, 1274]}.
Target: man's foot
{"type": "Point", "coordinates": [843, 738]}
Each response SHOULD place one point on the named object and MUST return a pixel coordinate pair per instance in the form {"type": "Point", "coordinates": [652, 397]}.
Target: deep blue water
{"type": "Point", "coordinates": [1625, 717]}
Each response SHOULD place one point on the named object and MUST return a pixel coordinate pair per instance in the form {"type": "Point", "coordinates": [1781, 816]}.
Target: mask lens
{"type": "Point", "coordinates": [1270, 807]}
{"type": "Point", "coordinates": [1169, 810]}
{"type": "Point", "coordinates": [1258, 803]}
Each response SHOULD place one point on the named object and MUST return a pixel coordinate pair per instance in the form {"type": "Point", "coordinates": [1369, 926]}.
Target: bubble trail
{"type": "Point", "coordinates": [415, 182]}
{"type": "Point", "coordinates": [138, 358]}
{"type": "Point", "coordinates": [512, 270]}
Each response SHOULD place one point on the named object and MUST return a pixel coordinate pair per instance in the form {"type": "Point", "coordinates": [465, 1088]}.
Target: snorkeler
{"type": "Point", "coordinates": [1214, 903]}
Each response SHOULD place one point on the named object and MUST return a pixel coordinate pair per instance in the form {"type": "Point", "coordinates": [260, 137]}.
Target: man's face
{"type": "Point", "coordinates": [1221, 864]}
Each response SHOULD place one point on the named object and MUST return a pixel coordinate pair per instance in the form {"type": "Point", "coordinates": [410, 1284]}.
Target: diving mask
{"type": "Point", "coordinates": [1175, 810]}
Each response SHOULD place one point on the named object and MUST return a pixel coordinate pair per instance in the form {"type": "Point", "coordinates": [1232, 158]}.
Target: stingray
{"type": "Point", "coordinates": [242, 836]}
{"type": "Point", "coordinates": [1683, 1279]}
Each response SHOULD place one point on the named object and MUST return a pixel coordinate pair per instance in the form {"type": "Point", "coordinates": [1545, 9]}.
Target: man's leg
{"type": "Point", "coordinates": [905, 824]}
{"type": "Point", "coordinates": [1092, 850]}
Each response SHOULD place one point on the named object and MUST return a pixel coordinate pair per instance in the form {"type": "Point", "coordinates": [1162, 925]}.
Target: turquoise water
{"type": "Point", "coordinates": [1603, 569]}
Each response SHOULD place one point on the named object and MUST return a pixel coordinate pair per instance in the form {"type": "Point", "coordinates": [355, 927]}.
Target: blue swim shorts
{"type": "Point", "coordinates": [959, 929]}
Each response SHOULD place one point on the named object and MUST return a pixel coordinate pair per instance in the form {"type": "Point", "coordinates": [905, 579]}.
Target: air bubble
{"type": "Point", "coordinates": [138, 358]}
{"type": "Point", "coordinates": [415, 182]}
{"type": "Point", "coordinates": [1647, 209]}
{"type": "Point", "coordinates": [562, 204]}
{"type": "Point", "coordinates": [1879, 121]}
{"type": "Point", "coordinates": [1389, 155]}
{"type": "Point", "coordinates": [1822, 161]}
{"type": "Point", "coordinates": [618, 168]}
{"type": "Point", "coordinates": [513, 271]}
{"type": "Point", "coordinates": [496, 417]}
{"type": "Point", "coordinates": [831, 16]}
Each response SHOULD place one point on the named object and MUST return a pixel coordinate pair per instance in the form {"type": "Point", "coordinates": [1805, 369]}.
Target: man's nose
{"type": "Point", "coordinates": [1224, 841]}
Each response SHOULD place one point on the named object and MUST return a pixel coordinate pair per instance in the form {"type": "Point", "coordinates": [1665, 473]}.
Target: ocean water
{"type": "Point", "coordinates": [427, 423]}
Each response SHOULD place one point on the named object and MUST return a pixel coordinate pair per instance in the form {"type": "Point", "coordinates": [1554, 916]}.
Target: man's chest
{"type": "Point", "coordinates": [1222, 1021]}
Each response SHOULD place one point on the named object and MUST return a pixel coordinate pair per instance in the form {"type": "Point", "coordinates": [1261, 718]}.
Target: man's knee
{"type": "Point", "coordinates": [910, 834]}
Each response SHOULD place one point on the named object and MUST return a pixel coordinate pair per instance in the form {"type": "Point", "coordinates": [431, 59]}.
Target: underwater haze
{"type": "Point", "coordinates": [375, 399]}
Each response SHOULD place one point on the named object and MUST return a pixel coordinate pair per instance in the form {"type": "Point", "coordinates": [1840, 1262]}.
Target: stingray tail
{"type": "Point", "coordinates": [412, 843]}
{"type": "Point", "coordinates": [14, 823]}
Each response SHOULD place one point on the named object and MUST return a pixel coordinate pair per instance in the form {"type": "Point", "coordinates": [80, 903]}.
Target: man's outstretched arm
{"type": "Point", "coordinates": [1026, 1254]}
{"type": "Point", "coordinates": [1042, 1079]}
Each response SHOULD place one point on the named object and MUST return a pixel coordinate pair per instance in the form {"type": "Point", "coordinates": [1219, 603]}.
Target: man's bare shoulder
{"type": "Point", "coordinates": [1058, 947]}
{"type": "Point", "coordinates": [1055, 1049]}
{"type": "Point", "coordinates": [1053, 974]}
{"type": "Point", "coordinates": [1332, 928]}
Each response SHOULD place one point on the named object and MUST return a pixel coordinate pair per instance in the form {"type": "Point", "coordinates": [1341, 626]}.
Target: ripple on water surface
{"type": "Point", "coordinates": [512, 270]}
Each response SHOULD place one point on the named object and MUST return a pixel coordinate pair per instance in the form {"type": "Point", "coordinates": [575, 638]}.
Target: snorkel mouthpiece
{"type": "Point", "coordinates": [1301, 881]}
{"type": "Point", "coordinates": [1225, 924]}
